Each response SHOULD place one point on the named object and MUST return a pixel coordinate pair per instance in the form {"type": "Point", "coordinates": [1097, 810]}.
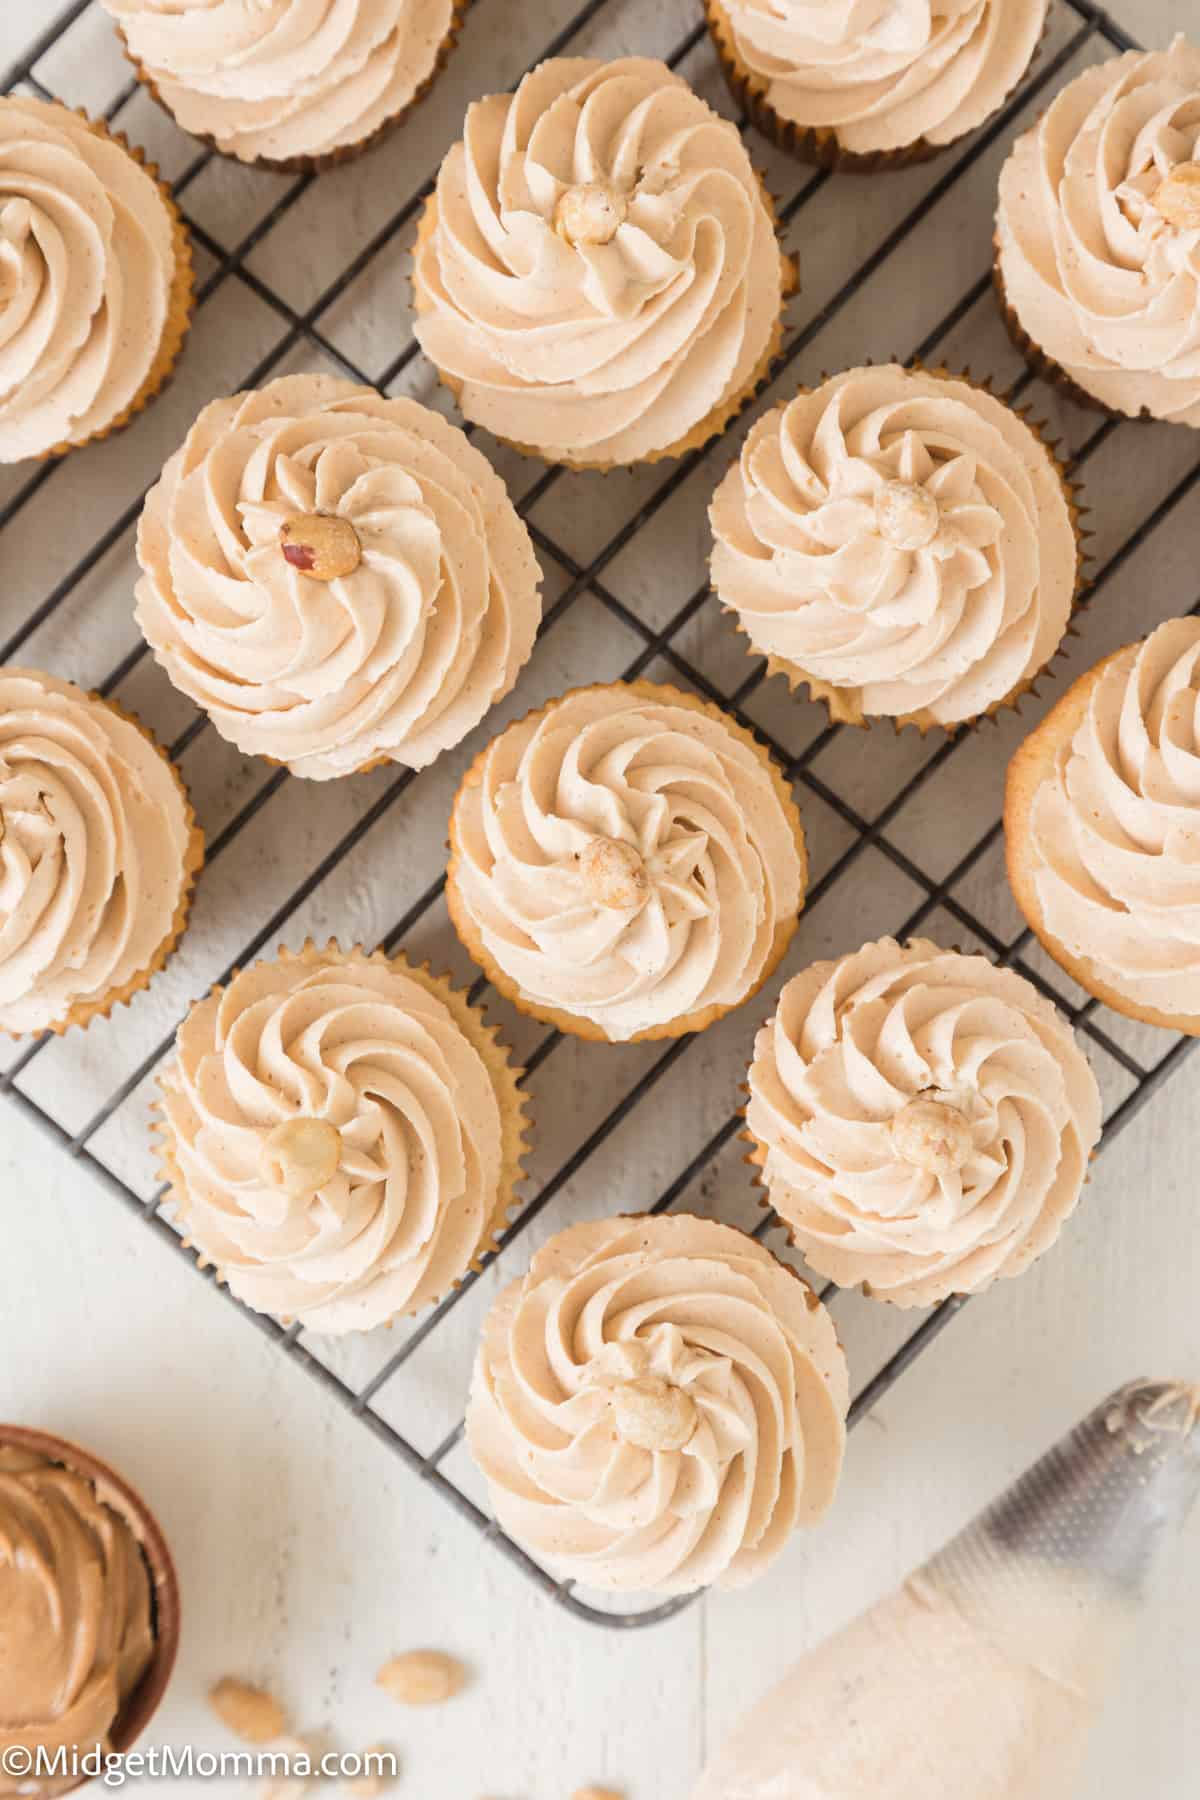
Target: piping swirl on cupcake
{"type": "Point", "coordinates": [87, 274]}
{"type": "Point", "coordinates": [885, 74]}
{"type": "Point", "coordinates": [923, 1120]}
{"type": "Point", "coordinates": [1098, 232]}
{"type": "Point", "coordinates": [336, 578]}
{"type": "Point", "coordinates": [283, 79]}
{"type": "Point", "coordinates": [1115, 831]}
{"type": "Point", "coordinates": [598, 275]}
{"type": "Point", "coordinates": [657, 1404]}
{"type": "Point", "coordinates": [342, 1137]}
{"type": "Point", "coordinates": [625, 861]}
{"type": "Point", "coordinates": [97, 853]}
{"type": "Point", "coordinates": [900, 540]}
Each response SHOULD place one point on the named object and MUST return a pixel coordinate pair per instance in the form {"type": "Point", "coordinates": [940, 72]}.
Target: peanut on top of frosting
{"type": "Point", "coordinates": [657, 1404]}
{"type": "Point", "coordinates": [626, 858]}
{"type": "Point", "coordinates": [924, 1119]}
{"type": "Point", "coordinates": [884, 73]}
{"type": "Point", "coordinates": [602, 272]}
{"type": "Point", "coordinates": [1098, 244]}
{"type": "Point", "coordinates": [335, 1137]}
{"type": "Point", "coordinates": [901, 537]}
{"type": "Point", "coordinates": [95, 850]}
{"type": "Point", "coordinates": [335, 577]}
{"type": "Point", "coordinates": [277, 79]}
{"type": "Point", "coordinates": [75, 1614]}
{"type": "Point", "coordinates": [87, 265]}
{"type": "Point", "coordinates": [1116, 831]}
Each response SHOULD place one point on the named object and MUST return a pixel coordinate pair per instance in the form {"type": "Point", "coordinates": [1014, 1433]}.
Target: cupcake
{"type": "Point", "coordinates": [89, 1611]}
{"type": "Point", "coordinates": [1098, 237]}
{"type": "Point", "coordinates": [1102, 823]}
{"type": "Point", "coordinates": [922, 1120]}
{"type": "Point", "coordinates": [338, 579]}
{"type": "Point", "coordinates": [597, 276]}
{"type": "Point", "coordinates": [873, 84]}
{"type": "Point", "coordinates": [95, 280]}
{"type": "Point", "coordinates": [99, 852]}
{"type": "Point", "coordinates": [342, 1134]}
{"type": "Point", "coordinates": [626, 863]}
{"type": "Point", "coordinates": [657, 1405]}
{"type": "Point", "coordinates": [284, 85]}
{"type": "Point", "coordinates": [901, 543]}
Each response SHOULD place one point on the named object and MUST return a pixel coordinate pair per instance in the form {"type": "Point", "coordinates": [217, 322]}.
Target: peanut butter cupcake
{"type": "Point", "coordinates": [99, 852]}
{"type": "Point", "coordinates": [900, 542]}
{"type": "Point", "coordinates": [627, 863]}
{"type": "Point", "coordinates": [658, 1404]}
{"type": "Point", "coordinates": [337, 578]}
{"type": "Point", "coordinates": [283, 84]}
{"type": "Point", "coordinates": [89, 1609]}
{"type": "Point", "coordinates": [873, 84]}
{"type": "Point", "coordinates": [95, 280]}
{"type": "Point", "coordinates": [1098, 237]}
{"type": "Point", "coordinates": [342, 1134]}
{"type": "Point", "coordinates": [1101, 820]}
{"type": "Point", "coordinates": [597, 275]}
{"type": "Point", "coordinates": [921, 1120]}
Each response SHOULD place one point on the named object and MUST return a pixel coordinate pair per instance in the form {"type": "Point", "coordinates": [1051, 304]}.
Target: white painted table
{"type": "Point", "coordinates": [307, 1554]}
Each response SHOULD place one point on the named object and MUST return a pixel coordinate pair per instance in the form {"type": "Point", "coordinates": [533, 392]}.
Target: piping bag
{"type": "Point", "coordinates": [980, 1677]}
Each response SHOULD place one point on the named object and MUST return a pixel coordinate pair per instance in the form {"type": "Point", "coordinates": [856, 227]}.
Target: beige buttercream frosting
{"type": "Point", "coordinates": [902, 537]}
{"type": "Point", "coordinates": [1100, 260]}
{"type": "Point", "coordinates": [95, 850]}
{"type": "Point", "coordinates": [626, 858]}
{"type": "Point", "coordinates": [1116, 832]}
{"type": "Point", "coordinates": [335, 577]}
{"type": "Point", "coordinates": [603, 272]}
{"type": "Point", "coordinates": [657, 1404]}
{"type": "Point", "coordinates": [924, 1120]}
{"type": "Point", "coordinates": [334, 1137]}
{"type": "Point", "coordinates": [277, 79]}
{"type": "Point", "coordinates": [883, 74]}
{"type": "Point", "coordinates": [76, 1632]}
{"type": "Point", "coordinates": [87, 267]}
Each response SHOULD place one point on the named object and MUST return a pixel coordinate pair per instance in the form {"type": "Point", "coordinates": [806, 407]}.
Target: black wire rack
{"type": "Point", "coordinates": [1139, 1064]}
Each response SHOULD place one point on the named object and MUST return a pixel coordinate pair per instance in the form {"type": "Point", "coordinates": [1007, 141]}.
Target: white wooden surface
{"type": "Point", "coordinates": [307, 1554]}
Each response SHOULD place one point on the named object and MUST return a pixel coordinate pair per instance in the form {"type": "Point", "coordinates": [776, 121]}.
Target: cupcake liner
{"type": "Point", "coordinates": [117, 1493]}
{"type": "Point", "coordinates": [1032, 764]}
{"type": "Point", "coordinates": [82, 1012]}
{"type": "Point", "coordinates": [713, 423]}
{"type": "Point", "coordinates": [843, 705]}
{"type": "Point", "coordinates": [511, 1097]}
{"type": "Point", "coordinates": [571, 1023]}
{"type": "Point", "coordinates": [329, 159]}
{"type": "Point", "coordinates": [819, 143]}
{"type": "Point", "coordinates": [180, 303]}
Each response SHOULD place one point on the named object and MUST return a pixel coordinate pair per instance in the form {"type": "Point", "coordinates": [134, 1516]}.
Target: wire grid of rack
{"type": "Point", "coordinates": [1090, 27]}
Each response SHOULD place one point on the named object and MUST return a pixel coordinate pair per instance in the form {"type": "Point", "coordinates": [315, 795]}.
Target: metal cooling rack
{"type": "Point", "coordinates": [1090, 28]}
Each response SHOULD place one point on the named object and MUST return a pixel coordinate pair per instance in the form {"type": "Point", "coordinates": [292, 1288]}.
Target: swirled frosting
{"type": "Point", "coordinates": [75, 1618]}
{"type": "Point", "coordinates": [627, 859]}
{"type": "Point", "coordinates": [96, 851]}
{"type": "Point", "coordinates": [1098, 246]}
{"type": "Point", "coordinates": [902, 538]}
{"type": "Point", "coordinates": [279, 79]}
{"type": "Point", "coordinates": [401, 653]}
{"type": "Point", "coordinates": [658, 1404]}
{"type": "Point", "coordinates": [924, 1120]}
{"type": "Point", "coordinates": [1115, 832]}
{"type": "Point", "coordinates": [601, 273]}
{"type": "Point", "coordinates": [335, 1137]}
{"type": "Point", "coordinates": [87, 266]}
{"type": "Point", "coordinates": [883, 74]}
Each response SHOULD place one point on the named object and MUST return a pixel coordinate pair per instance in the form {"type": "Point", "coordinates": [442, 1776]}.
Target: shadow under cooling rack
{"type": "Point", "coordinates": [308, 327]}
